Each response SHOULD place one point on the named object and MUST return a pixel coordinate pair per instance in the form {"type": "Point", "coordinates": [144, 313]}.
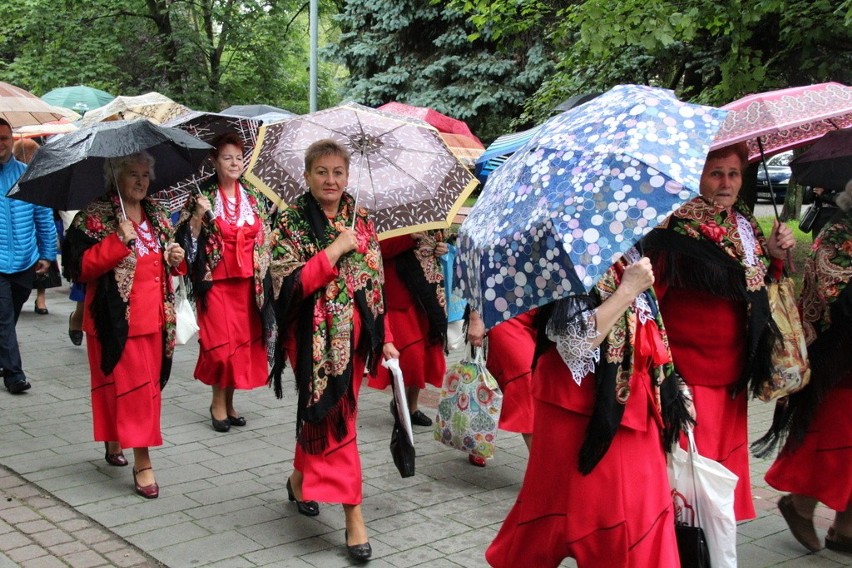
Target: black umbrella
{"type": "Point", "coordinates": [254, 110]}
{"type": "Point", "coordinates": [67, 173]}
{"type": "Point", "coordinates": [828, 163]}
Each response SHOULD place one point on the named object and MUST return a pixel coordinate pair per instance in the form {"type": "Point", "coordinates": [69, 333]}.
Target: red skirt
{"type": "Point", "coordinates": [421, 362]}
{"type": "Point", "coordinates": [821, 467]}
{"type": "Point", "coordinates": [232, 352]}
{"type": "Point", "coordinates": [721, 434]}
{"type": "Point", "coordinates": [511, 347]}
{"type": "Point", "coordinates": [335, 475]}
{"type": "Point", "coordinates": [126, 403]}
{"type": "Point", "coordinates": [618, 515]}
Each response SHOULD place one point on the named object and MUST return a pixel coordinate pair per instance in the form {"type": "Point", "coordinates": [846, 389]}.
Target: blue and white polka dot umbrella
{"type": "Point", "coordinates": [586, 187]}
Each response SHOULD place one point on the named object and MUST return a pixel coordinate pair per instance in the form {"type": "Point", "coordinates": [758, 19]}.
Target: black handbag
{"type": "Point", "coordinates": [807, 221]}
{"type": "Point", "coordinates": [692, 547]}
{"type": "Point", "coordinates": [400, 446]}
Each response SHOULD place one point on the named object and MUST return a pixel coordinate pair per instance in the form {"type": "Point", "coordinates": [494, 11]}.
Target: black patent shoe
{"type": "Point", "coordinates": [307, 508]}
{"type": "Point", "coordinates": [358, 552]}
{"type": "Point", "coordinates": [236, 420]}
{"type": "Point", "coordinates": [18, 387]}
{"type": "Point", "coordinates": [420, 419]}
{"type": "Point", "coordinates": [219, 425]}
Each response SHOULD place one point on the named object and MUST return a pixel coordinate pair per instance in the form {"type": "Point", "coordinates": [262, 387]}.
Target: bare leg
{"type": "Point", "coordinates": [219, 403]}
{"type": "Point", "coordinates": [113, 447]}
{"type": "Point", "coordinates": [142, 464]}
{"type": "Point", "coordinates": [229, 402]}
{"type": "Point", "coordinates": [528, 441]}
{"type": "Point", "coordinates": [40, 301]}
{"type": "Point", "coordinates": [843, 522]}
{"type": "Point", "coordinates": [296, 483]}
{"type": "Point", "coordinates": [412, 394]}
{"type": "Point", "coordinates": [76, 321]}
{"type": "Point", "coordinates": [804, 505]}
{"type": "Point", "coordinates": [356, 530]}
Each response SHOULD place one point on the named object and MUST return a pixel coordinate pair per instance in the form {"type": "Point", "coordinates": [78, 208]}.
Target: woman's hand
{"type": "Point", "coordinates": [389, 351]}
{"type": "Point", "coordinates": [202, 206]}
{"type": "Point", "coordinates": [637, 277]}
{"type": "Point", "coordinates": [126, 232]}
{"type": "Point", "coordinates": [441, 248]}
{"type": "Point", "coordinates": [345, 242]}
{"type": "Point", "coordinates": [475, 329]}
{"type": "Point", "coordinates": [174, 254]}
{"type": "Point", "coordinates": [780, 240]}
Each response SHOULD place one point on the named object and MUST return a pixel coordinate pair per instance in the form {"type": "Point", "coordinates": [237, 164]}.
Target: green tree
{"type": "Point", "coordinates": [415, 52]}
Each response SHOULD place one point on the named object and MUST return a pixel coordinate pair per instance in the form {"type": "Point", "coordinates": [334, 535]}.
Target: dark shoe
{"type": "Point", "coordinates": [802, 528]}
{"type": "Point", "coordinates": [236, 420]}
{"type": "Point", "coordinates": [40, 311]}
{"type": "Point", "coordinates": [76, 335]}
{"type": "Point", "coordinates": [18, 387]}
{"type": "Point", "coordinates": [220, 425]}
{"type": "Point", "coordinates": [358, 552]}
{"type": "Point", "coordinates": [149, 491]}
{"type": "Point", "coordinates": [837, 542]}
{"type": "Point", "coordinates": [116, 459]}
{"type": "Point", "coordinates": [476, 460]}
{"type": "Point", "coordinates": [420, 419]}
{"type": "Point", "coordinates": [307, 508]}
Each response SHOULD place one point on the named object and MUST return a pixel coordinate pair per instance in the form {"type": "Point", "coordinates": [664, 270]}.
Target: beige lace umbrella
{"type": "Point", "coordinates": [152, 106]}
{"type": "Point", "coordinates": [21, 108]}
{"type": "Point", "coordinates": [400, 169]}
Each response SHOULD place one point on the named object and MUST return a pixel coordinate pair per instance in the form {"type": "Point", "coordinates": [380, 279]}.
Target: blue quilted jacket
{"type": "Point", "coordinates": [27, 231]}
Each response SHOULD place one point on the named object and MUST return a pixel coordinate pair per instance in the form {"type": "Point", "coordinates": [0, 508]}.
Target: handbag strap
{"type": "Point", "coordinates": [692, 450]}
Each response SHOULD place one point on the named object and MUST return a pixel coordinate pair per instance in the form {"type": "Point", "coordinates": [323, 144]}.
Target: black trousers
{"type": "Point", "coordinates": [14, 291]}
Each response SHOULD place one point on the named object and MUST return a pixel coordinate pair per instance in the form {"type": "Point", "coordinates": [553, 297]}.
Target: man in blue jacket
{"type": "Point", "coordinates": [27, 246]}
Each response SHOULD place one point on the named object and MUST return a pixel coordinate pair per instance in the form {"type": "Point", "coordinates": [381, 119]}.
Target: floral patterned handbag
{"type": "Point", "coordinates": [469, 407]}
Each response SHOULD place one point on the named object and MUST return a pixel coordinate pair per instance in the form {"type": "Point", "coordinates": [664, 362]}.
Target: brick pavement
{"type": "Point", "coordinates": [223, 502]}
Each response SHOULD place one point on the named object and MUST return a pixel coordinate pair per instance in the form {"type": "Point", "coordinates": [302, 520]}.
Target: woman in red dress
{"type": "Point", "coordinates": [225, 229]}
{"type": "Point", "coordinates": [126, 259]}
{"type": "Point", "coordinates": [816, 462]}
{"type": "Point", "coordinates": [330, 310]}
{"type": "Point", "coordinates": [712, 263]}
{"type": "Point", "coordinates": [416, 309]}
{"type": "Point", "coordinates": [596, 487]}
{"type": "Point", "coordinates": [511, 350]}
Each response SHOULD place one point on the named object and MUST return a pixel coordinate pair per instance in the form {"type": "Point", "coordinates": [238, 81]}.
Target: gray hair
{"type": "Point", "coordinates": [116, 167]}
{"type": "Point", "coordinates": [844, 200]}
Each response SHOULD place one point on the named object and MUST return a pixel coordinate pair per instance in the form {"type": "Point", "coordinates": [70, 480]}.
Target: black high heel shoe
{"type": "Point", "coordinates": [307, 508]}
{"type": "Point", "coordinates": [40, 311]}
{"type": "Point", "coordinates": [219, 425]}
{"type": "Point", "coordinates": [358, 552]}
{"type": "Point", "coordinates": [236, 420]}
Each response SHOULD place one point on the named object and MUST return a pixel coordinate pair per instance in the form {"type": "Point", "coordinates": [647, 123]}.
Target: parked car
{"type": "Point", "coordinates": [779, 175]}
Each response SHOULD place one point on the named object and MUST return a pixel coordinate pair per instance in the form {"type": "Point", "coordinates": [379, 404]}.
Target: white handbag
{"type": "Point", "coordinates": [185, 324]}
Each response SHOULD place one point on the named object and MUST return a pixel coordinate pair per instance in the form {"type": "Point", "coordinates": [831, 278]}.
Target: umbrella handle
{"type": "Point", "coordinates": [132, 242]}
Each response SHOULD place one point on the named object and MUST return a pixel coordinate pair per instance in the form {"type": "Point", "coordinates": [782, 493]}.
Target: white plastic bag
{"type": "Point", "coordinates": [185, 324]}
{"type": "Point", "coordinates": [705, 487]}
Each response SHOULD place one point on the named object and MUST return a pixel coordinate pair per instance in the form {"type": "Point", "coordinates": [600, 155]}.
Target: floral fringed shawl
{"type": "Point", "coordinates": [421, 273]}
{"type": "Point", "coordinates": [323, 322]}
{"type": "Point", "coordinates": [111, 304]}
{"type": "Point", "coordinates": [705, 247]}
{"type": "Point", "coordinates": [616, 366]}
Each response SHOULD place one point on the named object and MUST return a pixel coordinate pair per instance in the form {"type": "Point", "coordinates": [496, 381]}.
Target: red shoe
{"type": "Point", "coordinates": [148, 491]}
{"type": "Point", "coordinates": [476, 460]}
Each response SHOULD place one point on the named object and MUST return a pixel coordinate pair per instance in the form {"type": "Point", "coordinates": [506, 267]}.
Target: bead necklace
{"type": "Point", "coordinates": [231, 211]}
{"type": "Point", "coordinates": [147, 239]}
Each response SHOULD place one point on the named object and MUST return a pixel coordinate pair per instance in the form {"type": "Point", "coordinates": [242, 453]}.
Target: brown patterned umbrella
{"type": "Point", "coordinates": [401, 170]}
{"type": "Point", "coordinates": [153, 106]}
{"type": "Point", "coordinates": [20, 108]}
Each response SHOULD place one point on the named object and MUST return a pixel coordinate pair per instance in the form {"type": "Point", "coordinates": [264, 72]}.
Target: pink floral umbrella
{"type": "Point", "coordinates": [776, 121]}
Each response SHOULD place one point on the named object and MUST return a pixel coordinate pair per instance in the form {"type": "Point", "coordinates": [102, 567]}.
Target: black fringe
{"type": "Point", "coordinates": [676, 418]}
{"type": "Point", "coordinates": [425, 294]}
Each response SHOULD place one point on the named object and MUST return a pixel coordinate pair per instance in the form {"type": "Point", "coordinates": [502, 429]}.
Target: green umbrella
{"type": "Point", "coordinates": [79, 98]}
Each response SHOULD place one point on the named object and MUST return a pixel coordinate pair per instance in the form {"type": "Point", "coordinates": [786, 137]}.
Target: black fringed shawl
{"type": "Point", "coordinates": [615, 369]}
{"type": "Point", "coordinates": [323, 322]}
{"type": "Point", "coordinates": [109, 308]}
{"type": "Point", "coordinates": [421, 274]}
{"type": "Point", "coordinates": [826, 307]}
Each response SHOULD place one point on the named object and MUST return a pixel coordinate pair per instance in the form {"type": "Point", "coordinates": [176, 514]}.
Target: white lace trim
{"type": "Point", "coordinates": [749, 240]}
{"type": "Point", "coordinates": [574, 345]}
{"type": "Point", "coordinates": [246, 215]}
{"type": "Point", "coordinates": [147, 233]}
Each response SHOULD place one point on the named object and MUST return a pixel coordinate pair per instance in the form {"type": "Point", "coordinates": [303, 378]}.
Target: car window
{"type": "Point", "coordinates": [780, 160]}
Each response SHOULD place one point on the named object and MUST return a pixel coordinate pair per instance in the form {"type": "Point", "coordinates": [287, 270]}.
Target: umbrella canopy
{"type": "Point", "coordinates": [499, 151]}
{"type": "Point", "coordinates": [785, 119]}
{"type": "Point", "coordinates": [20, 108]}
{"type": "Point", "coordinates": [152, 106]}
{"type": "Point", "coordinates": [828, 163]}
{"type": "Point", "coordinates": [79, 98]}
{"type": "Point", "coordinates": [586, 187]}
{"type": "Point", "coordinates": [67, 173]}
{"type": "Point", "coordinates": [253, 111]}
{"type": "Point", "coordinates": [467, 150]}
{"type": "Point", "coordinates": [62, 126]}
{"type": "Point", "coordinates": [439, 120]}
{"type": "Point", "coordinates": [270, 117]}
{"type": "Point", "coordinates": [400, 169]}
{"type": "Point", "coordinates": [206, 126]}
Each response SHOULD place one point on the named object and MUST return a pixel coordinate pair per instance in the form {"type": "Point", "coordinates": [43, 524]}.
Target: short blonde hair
{"type": "Point", "coordinates": [115, 167]}
{"type": "Point", "coordinates": [323, 148]}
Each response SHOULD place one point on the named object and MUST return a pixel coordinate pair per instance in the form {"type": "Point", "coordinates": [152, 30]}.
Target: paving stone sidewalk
{"type": "Point", "coordinates": [223, 501]}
